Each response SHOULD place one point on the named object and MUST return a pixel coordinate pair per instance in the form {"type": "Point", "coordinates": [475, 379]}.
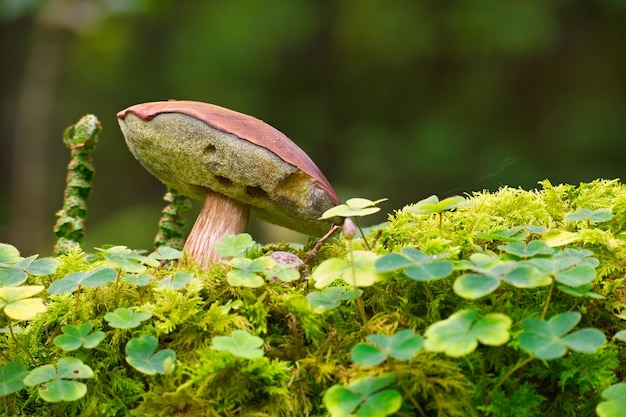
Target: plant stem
{"type": "Point", "coordinates": [76, 305]}
{"type": "Point", "coordinates": [358, 225]}
{"type": "Point", "coordinates": [510, 372]}
{"type": "Point", "coordinates": [406, 392]}
{"type": "Point", "coordinates": [431, 298]}
{"type": "Point", "coordinates": [545, 307]}
{"type": "Point", "coordinates": [19, 344]}
{"type": "Point", "coordinates": [357, 296]}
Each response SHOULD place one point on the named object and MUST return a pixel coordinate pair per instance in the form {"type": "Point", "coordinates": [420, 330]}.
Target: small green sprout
{"type": "Point", "coordinates": [127, 260]}
{"type": "Point", "coordinates": [94, 278]}
{"type": "Point", "coordinates": [355, 208]}
{"type": "Point", "coordinates": [432, 205]}
{"type": "Point", "coordinates": [76, 336]}
{"type": "Point", "coordinates": [460, 333]}
{"type": "Point", "coordinates": [416, 264]}
{"type": "Point", "coordinates": [240, 343]}
{"type": "Point", "coordinates": [124, 318]}
{"type": "Point", "coordinates": [140, 280]}
{"type": "Point", "coordinates": [359, 273]}
{"type": "Point", "coordinates": [365, 397]}
{"type": "Point", "coordinates": [234, 245]}
{"type": "Point", "coordinates": [177, 281]}
{"type": "Point", "coordinates": [12, 377]}
{"type": "Point", "coordinates": [403, 345]}
{"type": "Point", "coordinates": [330, 298]}
{"type": "Point", "coordinates": [522, 249]}
{"type": "Point", "coordinates": [58, 382]}
{"type": "Point", "coordinates": [615, 403]}
{"type": "Point", "coordinates": [550, 339]}
{"type": "Point", "coordinates": [16, 302]}
{"type": "Point", "coordinates": [140, 354]}
{"type": "Point", "coordinates": [591, 216]}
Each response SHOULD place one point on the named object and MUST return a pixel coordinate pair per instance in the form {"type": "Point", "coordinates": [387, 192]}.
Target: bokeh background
{"type": "Point", "coordinates": [399, 99]}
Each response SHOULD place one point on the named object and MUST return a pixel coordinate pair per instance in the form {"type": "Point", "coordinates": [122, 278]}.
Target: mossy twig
{"type": "Point", "coordinates": [173, 220]}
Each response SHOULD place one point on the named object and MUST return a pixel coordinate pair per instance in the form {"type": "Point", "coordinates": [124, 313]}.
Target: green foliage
{"type": "Point", "coordinates": [481, 314]}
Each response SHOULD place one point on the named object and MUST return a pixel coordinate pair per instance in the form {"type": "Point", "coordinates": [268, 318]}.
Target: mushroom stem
{"type": "Point", "coordinates": [220, 216]}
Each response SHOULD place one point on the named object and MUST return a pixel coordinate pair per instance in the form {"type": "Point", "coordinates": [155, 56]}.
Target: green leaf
{"type": "Point", "coordinates": [527, 250]}
{"type": "Point", "coordinates": [234, 245]}
{"type": "Point", "coordinates": [576, 276]}
{"type": "Point", "coordinates": [127, 260]}
{"type": "Point", "coordinates": [95, 278]}
{"type": "Point", "coordinates": [178, 281]}
{"type": "Point", "coordinates": [56, 386]}
{"type": "Point", "coordinates": [526, 275]}
{"type": "Point", "coordinates": [381, 404]}
{"type": "Point", "coordinates": [12, 277]}
{"type": "Point", "coordinates": [124, 318]}
{"type": "Point", "coordinates": [557, 238]}
{"type": "Point", "coordinates": [473, 286]}
{"type": "Point", "coordinates": [140, 280]}
{"type": "Point", "coordinates": [76, 336]}
{"type": "Point", "coordinates": [329, 298]}
{"type": "Point", "coordinates": [12, 377]}
{"type": "Point", "coordinates": [433, 205]}
{"type": "Point", "coordinates": [328, 271]}
{"type": "Point", "coordinates": [140, 354]}
{"type": "Point", "coordinates": [343, 401]}
{"type": "Point", "coordinates": [621, 335]}
{"type": "Point", "coordinates": [242, 278]}
{"type": "Point", "coordinates": [340, 401]}
{"type": "Point", "coordinates": [430, 271]}
{"type": "Point", "coordinates": [43, 266]}
{"type": "Point", "coordinates": [582, 291]}
{"type": "Point", "coordinates": [17, 303]}
{"type": "Point", "coordinates": [165, 253]}
{"type": "Point", "coordinates": [8, 254]}
{"type": "Point", "coordinates": [354, 207]}
{"type": "Point", "coordinates": [403, 345]}
{"type": "Point", "coordinates": [458, 335]}
{"type": "Point", "coordinates": [240, 343]}
{"type": "Point", "coordinates": [547, 340]}
{"type": "Point", "coordinates": [595, 216]}
{"type": "Point", "coordinates": [615, 403]}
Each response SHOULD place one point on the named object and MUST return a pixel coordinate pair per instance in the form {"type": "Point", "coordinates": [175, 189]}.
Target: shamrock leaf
{"type": "Point", "coordinates": [460, 333]}
{"type": "Point", "coordinates": [247, 272]}
{"type": "Point", "coordinates": [354, 207]}
{"type": "Point", "coordinates": [365, 397]}
{"type": "Point", "coordinates": [58, 384]}
{"type": "Point", "coordinates": [234, 245]}
{"type": "Point", "coordinates": [433, 205]}
{"type": "Point", "coordinates": [239, 343]}
{"type": "Point", "coordinates": [18, 304]}
{"type": "Point", "coordinates": [178, 281]}
{"type": "Point", "coordinates": [140, 354]}
{"type": "Point", "coordinates": [95, 278]}
{"type": "Point", "coordinates": [361, 272]}
{"type": "Point", "coordinates": [549, 339]}
{"type": "Point", "coordinates": [330, 297]}
{"type": "Point", "coordinates": [12, 377]}
{"type": "Point", "coordinates": [416, 264]}
{"type": "Point", "coordinates": [402, 345]}
{"type": "Point", "coordinates": [124, 318]}
{"type": "Point", "coordinates": [615, 401]}
{"type": "Point", "coordinates": [78, 335]}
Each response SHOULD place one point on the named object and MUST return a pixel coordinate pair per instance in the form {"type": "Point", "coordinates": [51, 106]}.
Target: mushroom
{"type": "Point", "coordinates": [234, 162]}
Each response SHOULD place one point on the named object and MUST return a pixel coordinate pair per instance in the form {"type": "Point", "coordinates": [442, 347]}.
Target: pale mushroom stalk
{"type": "Point", "coordinates": [238, 164]}
{"type": "Point", "coordinates": [220, 216]}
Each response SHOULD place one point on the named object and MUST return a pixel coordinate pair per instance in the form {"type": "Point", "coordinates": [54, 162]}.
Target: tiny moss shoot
{"type": "Point", "coordinates": [81, 139]}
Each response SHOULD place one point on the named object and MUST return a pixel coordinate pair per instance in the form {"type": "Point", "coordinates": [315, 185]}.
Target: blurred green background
{"type": "Point", "coordinates": [399, 99]}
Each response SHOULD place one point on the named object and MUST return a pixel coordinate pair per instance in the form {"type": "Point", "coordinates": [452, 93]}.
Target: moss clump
{"type": "Point", "coordinates": [307, 346]}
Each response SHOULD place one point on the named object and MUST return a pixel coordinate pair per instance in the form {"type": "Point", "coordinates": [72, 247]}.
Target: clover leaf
{"type": "Point", "coordinates": [234, 245]}
{"type": "Point", "coordinates": [124, 318]}
{"type": "Point", "coordinates": [140, 354]}
{"type": "Point", "coordinates": [549, 339]}
{"type": "Point", "coordinates": [94, 278]}
{"type": "Point", "coordinates": [8, 254]}
{"type": "Point", "coordinates": [18, 304]}
{"type": "Point", "coordinates": [416, 264]}
{"type": "Point", "coordinates": [165, 253]}
{"type": "Point", "coordinates": [365, 397]}
{"type": "Point", "coordinates": [330, 297]}
{"type": "Point", "coordinates": [127, 260]}
{"type": "Point", "coordinates": [460, 333]}
{"type": "Point", "coordinates": [591, 216]}
{"type": "Point", "coordinates": [403, 345]}
{"type": "Point", "coordinates": [141, 280]}
{"type": "Point", "coordinates": [78, 335]}
{"type": "Point", "coordinates": [58, 384]}
{"type": "Point", "coordinates": [240, 343]}
{"type": "Point", "coordinates": [12, 377]}
{"type": "Point", "coordinates": [354, 207]}
{"type": "Point", "coordinates": [16, 273]}
{"type": "Point", "coordinates": [178, 281]}
{"type": "Point", "coordinates": [511, 234]}
{"type": "Point", "coordinates": [247, 272]}
{"type": "Point", "coordinates": [615, 403]}
{"type": "Point", "coordinates": [433, 205]}
{"type": "Point", "coordinates": [360, 271]}
{"type": "Point", "coordinates": [522, 249]}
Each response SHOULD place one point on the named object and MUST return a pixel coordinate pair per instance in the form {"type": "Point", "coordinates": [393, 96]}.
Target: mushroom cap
{"type": "Point", "coordinates": [191, 146]}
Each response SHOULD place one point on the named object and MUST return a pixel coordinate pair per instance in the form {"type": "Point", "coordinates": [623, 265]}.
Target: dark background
{"type": "Point", "coordinates": [399, 99]}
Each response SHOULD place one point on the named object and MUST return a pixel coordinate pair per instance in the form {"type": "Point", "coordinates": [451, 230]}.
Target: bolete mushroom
{"type": "Point", "coordinates": [234, 162]}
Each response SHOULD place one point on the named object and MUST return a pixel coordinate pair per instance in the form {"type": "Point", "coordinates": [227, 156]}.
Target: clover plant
{"type": "Point", "coordinates": [57, 383]}
{"type": "Point", "coordinates": [124, 318]}
{"type": "Point", "coordinates": [402, 345]}
{"type": "Point", "coordinates": [240, 343]}
{"type": "Point", "coordinates": [141, 354]}
{"type": "Point", "coordinates": [366, 397]}
{"type": "Point", "coordinates": [76, 336]}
